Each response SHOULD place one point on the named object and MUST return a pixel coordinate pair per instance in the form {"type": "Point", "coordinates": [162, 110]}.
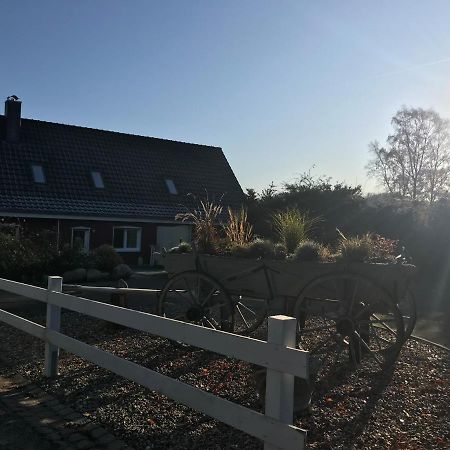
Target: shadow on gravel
{"type": "Point", "coordinates": [359, 423]}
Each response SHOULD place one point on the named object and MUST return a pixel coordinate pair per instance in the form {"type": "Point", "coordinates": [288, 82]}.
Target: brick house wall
{"type": "Point", "coordinates": [101, 232]}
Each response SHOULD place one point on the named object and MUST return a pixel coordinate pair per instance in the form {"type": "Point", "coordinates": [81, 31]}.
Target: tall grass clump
{"type": "Point", "coordinates": [311, 251]}
{"type": "Point", "coordinates": [238, 230]}
{"type": "Point", "coordinates": [366, 248]}
{"type": "Point", "coordinates": [354, 249]}
{"type": "Point", "coordinates": [205, 220]}
{"type": "Point", "coordinates": [293, 226]}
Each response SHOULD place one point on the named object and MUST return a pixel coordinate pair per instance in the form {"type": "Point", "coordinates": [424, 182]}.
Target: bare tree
{"type": "Point", "coordinates": [416, 160]}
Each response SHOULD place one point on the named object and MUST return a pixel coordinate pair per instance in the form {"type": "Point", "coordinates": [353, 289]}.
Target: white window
{"type": "Point", "coordinates": [97, 179]}
{"type": "Point", "coordinates": [80, 238]}
{"type": "Point", "coordinates": [38, 173]}
{"type": "Point", "coordinates": [127, 239]}
{"type": "Point", "coordinates": [171, 187]}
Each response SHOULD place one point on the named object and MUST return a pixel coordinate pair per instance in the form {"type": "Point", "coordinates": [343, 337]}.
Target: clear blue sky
{"type": "Point", "coordinates": [279, 85]}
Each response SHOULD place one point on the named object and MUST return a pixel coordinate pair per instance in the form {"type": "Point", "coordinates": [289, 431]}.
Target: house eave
{"type": "Point", "coordinates": [91, 218]}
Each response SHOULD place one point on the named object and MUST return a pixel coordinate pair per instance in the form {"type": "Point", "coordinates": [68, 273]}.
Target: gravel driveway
{"type": "Point", "coordinates": [407, 408]}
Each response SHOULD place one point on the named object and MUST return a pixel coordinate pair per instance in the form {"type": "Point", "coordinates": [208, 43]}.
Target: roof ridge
{"type": "Point", "coordinates": [119, 133]}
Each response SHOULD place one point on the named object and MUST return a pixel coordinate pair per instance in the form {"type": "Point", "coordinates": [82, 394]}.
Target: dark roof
{"type": "Point", "coordinates": [133, 168]}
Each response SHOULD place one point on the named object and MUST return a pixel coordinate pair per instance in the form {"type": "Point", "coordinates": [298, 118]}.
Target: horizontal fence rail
{"type": "Point", "coordinates": [282, 361]}
{"type": "Point", "coordinates": [248, 349]}
{"type": "Point", "coordinates": [110, 290]}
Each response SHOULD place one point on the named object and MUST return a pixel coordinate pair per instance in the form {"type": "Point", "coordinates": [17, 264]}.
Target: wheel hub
{"type": "Point", "coordinates": [194, 314]}
{"type": "Point", "coordinates": [345, 326]}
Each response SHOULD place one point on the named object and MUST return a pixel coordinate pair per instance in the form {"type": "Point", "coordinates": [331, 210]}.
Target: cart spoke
{"type": "Point", "coordinates": [189, 290]}
{"type": "Point", "coordinates": [247, 308]}
{"type": "Point", "coordinates": [208, 322]}
{"type": "Point", "coordinates": [377, 321]}
{"type": "Point", "coordinates": [208, 297]}
{"type": "Point", "coordinates": [377, 338]}
{"type": "Point", "coordinates": [352, 301]}
{"type": "Point", "coordinates": [383, 324]}
{"type": "Point", "coordinates": [242, 316]}
{"type": "Point", "coordinates": [366, 346]}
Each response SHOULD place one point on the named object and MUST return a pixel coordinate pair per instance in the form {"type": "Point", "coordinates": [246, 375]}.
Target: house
{"type": "Point", "coordinates": [103, 187]}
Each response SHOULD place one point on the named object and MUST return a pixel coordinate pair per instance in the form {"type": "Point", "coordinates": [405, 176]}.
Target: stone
{"type": "Point", "coordinates": [116, 445]}
{"type": "Point", "coordinates": [75, 437]}
{"type": "Point", "coordinates": [97, 432]}
{"type": "Point", "coordinates": [106, 439]}
{"type": "Point", "coordinates": [74, 275]}
{"type": "Point", "coordinates": [96, 275]}
{"type": "Point", "coordinates": [84, 444]}
{"type": "Point", "coordinates": [121, 271]}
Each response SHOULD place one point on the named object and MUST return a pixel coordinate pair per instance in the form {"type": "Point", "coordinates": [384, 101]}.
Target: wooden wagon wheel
{"type": "Point", "coordinates": [347, 313]}
{"type": "Point", "coordinates": [198, 298]}
{"type": "Point", "coordinates": [249, 313]}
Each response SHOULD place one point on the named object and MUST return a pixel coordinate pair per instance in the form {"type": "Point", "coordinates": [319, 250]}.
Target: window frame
{"type": "Point", "coordinates": [125, 239]}
{"type": "Point", "coordinates": [88, 229]}
{"type": "Point", "coordinates": [171, 186]}
{"type": "Point", "coordinates": [38, 172]}
{"type": "Point", "coordinates": [96, 175]}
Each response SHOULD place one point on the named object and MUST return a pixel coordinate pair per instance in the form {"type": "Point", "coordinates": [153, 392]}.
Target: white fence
{"type": "Point", "coordinates": [278, 355]}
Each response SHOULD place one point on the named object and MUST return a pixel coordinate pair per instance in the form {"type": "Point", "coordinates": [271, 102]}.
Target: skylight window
{"type": "Point", "coordinates": [171, 187]}
{"type": "Point", "coordinates": [38, 173]}
{"type": "Point", "coordinates": [97, 179]}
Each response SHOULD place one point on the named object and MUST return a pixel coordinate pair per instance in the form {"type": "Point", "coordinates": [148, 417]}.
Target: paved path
{"type": "Point", "coordinates": [31, 419]}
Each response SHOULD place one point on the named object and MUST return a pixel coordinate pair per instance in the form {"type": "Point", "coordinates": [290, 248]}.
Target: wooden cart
{"type": "Point", "coordinates": [354, 308]}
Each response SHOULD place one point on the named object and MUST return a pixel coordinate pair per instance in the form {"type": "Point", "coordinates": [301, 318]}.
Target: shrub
{"type": "Point", "coordinates": [383, 249]}
{"type": "Point", "coordinates": [280, 250]}
{"type": "Point", "coordinates": [24, 259]}
{"type": "Point", "coordinates": [293, 226]}
{"type": "Point", "coordinates": [238, 230]}
{"type": "Point", "coordinates": [261, 248]}
{"type": "Point", "coordinates": [185, 247]}
{"type": "Point", "coordinates": [369, 247]}
{"type": "Point", "coordinates": [355, 249]}
{"type": "Point", "coordinates": [204, 218]}
{"type": "Point", "coordinates": [105, 258]}
{"type": "Point", "coordinates": [182, 247]}
{"type": "Point", "coordinates": [311, 251]}
{"type": "Point", "coordinates": [68, 258]}
{"type": "Point", "coordinates": [239, 250]}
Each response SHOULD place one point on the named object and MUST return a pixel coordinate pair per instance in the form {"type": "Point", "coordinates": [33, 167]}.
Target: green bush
{"type": "Point", "coordinates": [68, 258]}
{"type": "Point", "coordinates": [239, 250]}
{"type": "Point", "coordinates": [24, 259]}
{"type": "Point", "coordinates": [105, 258]}
{"type": "Point", "coordinates": [355, 249]}
{"type": "Point", "coordinates": [311, 251]}
{"type": "Point", "coordinates": [182, 247]}
{"type": "Point", "coordinates": [33, 255]}
{"type": "Point", "coordinates": [261, 248]}
{"type": "Point", "coordinates": [280, 250]}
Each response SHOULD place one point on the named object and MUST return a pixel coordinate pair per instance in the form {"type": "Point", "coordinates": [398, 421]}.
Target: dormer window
{"type": "Point", "coordinates": [38, 173]}
{"type": "Point", "coordinates": [171, 187]}
{"type": "Point", "coordinates": [97, 179]}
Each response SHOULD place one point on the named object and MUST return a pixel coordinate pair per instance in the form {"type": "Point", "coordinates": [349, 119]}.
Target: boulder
{"type": "Point", "coordinates": [74, 275]}
{"type": "Point", "coordinates": [96, 275]}
{"type": "Point", "coordinates": [121, 271]}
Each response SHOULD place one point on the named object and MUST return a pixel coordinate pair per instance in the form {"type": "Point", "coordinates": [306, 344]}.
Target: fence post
{"type": "Point", "coordinates": [279, 385]}
{"type": "Point", "coordinates": [53, 323]}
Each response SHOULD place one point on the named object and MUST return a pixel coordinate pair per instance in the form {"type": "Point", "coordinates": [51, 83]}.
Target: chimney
{"type": "Point", "coordinates": [12, 114]}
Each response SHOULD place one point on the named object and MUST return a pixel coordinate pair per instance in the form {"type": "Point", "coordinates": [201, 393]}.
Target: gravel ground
{"type": "Point", "coordinates": [405, 408]}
